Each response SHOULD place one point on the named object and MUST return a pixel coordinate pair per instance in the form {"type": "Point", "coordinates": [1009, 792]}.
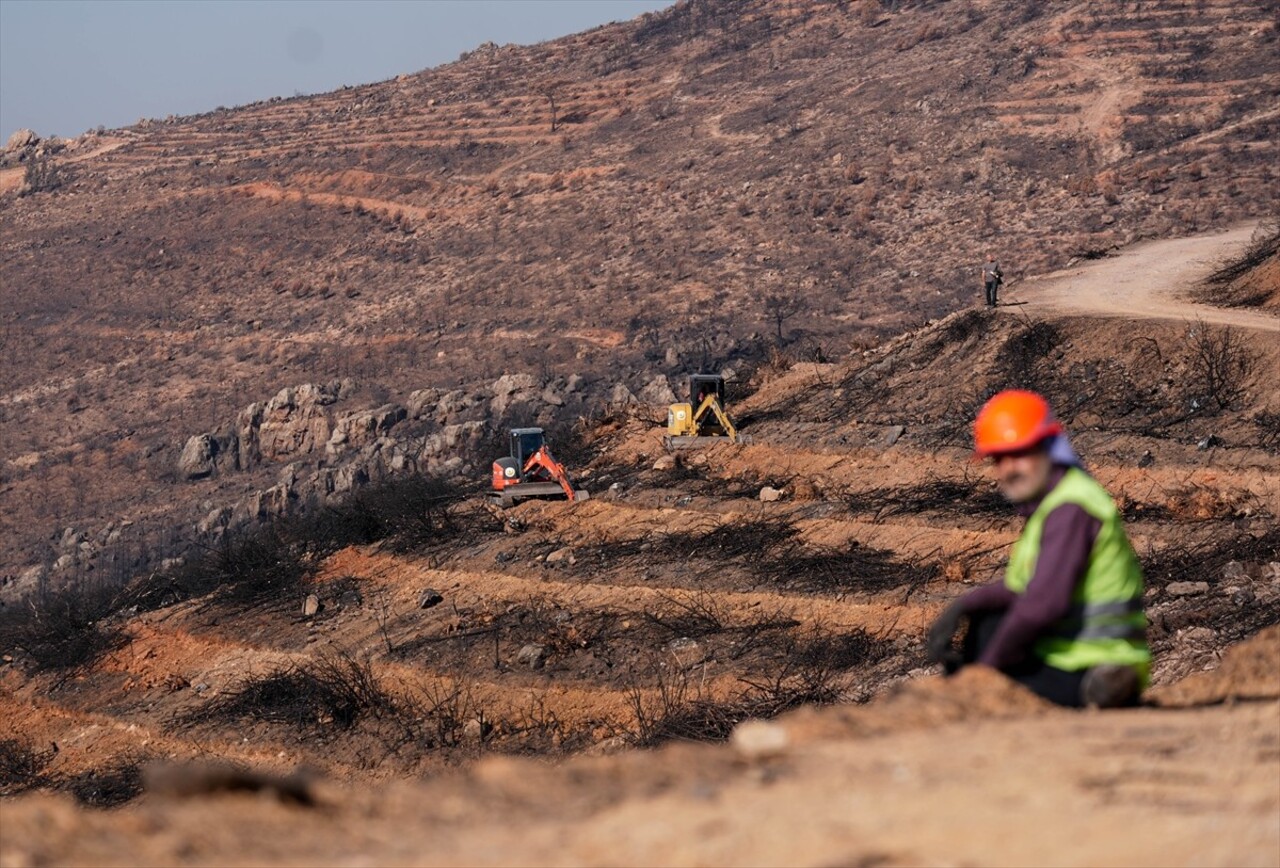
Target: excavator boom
{"type": "Point", "coordinates": [545, 464]}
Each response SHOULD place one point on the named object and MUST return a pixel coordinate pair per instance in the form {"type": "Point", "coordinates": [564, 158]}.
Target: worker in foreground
{"type": "Point", "coordinates": [1067, 619]}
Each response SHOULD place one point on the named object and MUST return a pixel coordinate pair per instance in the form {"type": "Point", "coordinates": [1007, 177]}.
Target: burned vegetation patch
{"type": "Point", "coordinates": [813, 667]}
{"type": "Point", "coordinates": [934, 495]}
{"type": "Point", "coordinates": [1184, 560]}
{"type": "Point", "coordinates": [108, 787]}
{"type": "Point", "coordinates": [22, 766]}
{"type": "Point", "coordinates": [328, 692]}
{"type": "Point", "coordinates": [854, 568]}
{"type": "Point", "coordinates": [64, 630]}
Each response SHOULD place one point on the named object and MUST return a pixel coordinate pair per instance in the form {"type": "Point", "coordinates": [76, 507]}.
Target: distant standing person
{"type": "Point", "coordinates": [992, 277]}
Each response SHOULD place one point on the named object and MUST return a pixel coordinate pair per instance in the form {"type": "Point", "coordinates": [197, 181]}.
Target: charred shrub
{"type": "Point", "coordinates": [416, 512]}
{"type": "Point", "coordinates": [59, 631]}
{"type": "Point", "coordinates": [108, 787]}
{"type": "Point", "coordinates": [853, 567]}
{"type": "Point", "coordinates": [1221, 368]}
{"type": "Point", "coordinates": [22, 766]}
{"type": "Point", "coordinates": [1264, 245]}
{"type": "Point", "coordinates": [332, 691]}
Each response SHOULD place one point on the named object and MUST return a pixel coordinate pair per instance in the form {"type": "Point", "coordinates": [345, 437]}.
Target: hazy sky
{"type": "Point", "coordinates": [67, 65]}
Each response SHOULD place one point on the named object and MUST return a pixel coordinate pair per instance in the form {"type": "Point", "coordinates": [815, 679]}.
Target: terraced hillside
{"type": "Point", "coordinates": [618, 204]}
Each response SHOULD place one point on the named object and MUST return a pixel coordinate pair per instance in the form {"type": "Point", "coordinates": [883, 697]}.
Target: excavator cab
{"type": "Point", "coordinates": [703, 416]}
{"type": "Point", "coordinates": [530, 470]}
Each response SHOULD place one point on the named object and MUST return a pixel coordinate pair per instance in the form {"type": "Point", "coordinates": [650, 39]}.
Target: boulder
{"type": "Point", "coordinates": [452, 405]}
{"type": "Point", "coordinates": [359, 429]}
{"type": "Point", "coordinates": [620, 394]}
{"type": "Point", "coordinates": [23, 138]}
{"type": "Point", "coordinates": [769, 494]}
{"type": "Point", "coordinates": [666, 462]}
{"type": "Point", "coordinates": [430, 598]}
{"type": "Point", "coordinates": [199, 457]}
{"type": "Point", "coordinates": [532, 656]}
{"type": "Point", "coordinates": [294, 422]}
{"type": "Point", "coordinates": [657, 391]}
{"type": "Point", "coordinates": [1187, 589]}
{"type": "Point", "coordinates": [422, 403]}
{"type": "Point", "coordinates": [562, 556]}
{"type": "Point", "coordinates": [511, 389]}
{"type": "Point", "coordinates": [310, 606]}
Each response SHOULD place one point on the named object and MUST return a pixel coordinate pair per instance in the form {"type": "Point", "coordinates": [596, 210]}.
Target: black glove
{"type": "Point", "coordinates": [937, 645]}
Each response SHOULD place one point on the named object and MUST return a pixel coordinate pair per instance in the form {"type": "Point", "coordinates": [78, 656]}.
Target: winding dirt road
{"type": "Point", "coordinates": [1150, 280]}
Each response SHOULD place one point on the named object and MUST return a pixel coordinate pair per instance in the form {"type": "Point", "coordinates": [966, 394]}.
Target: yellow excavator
{"type": "Point", "coordinates": [703, 417]}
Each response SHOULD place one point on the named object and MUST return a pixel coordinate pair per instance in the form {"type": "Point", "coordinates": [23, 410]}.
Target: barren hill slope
{"type": "Point", "coordinates": [436, 230]}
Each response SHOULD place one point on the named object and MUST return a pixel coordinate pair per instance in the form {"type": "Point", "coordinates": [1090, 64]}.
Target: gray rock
{"type": "Point", "coordinates": [620, 394]}
{"type": "Point", "coordinates": [423, 402]}
{"type": "Point", "coordinates": [1241, 596]}
{"type": "Point", "coordinates": [562, 556]}
{"type": "Point", "coordinates": [1233, 571]}
{"type": "Point", "coordinates": [23, 138]}
{"type": "Point", "coordinates": [769, 494]}
{"type": "Point", "coordinates": [199, 457]}
{"type": "Point", "coordinates": [430, 598]}
{"type": "Point", "coordinates": [310, 606]}
{"type": "Point", "coordinates": [1147, 459]}
{"type": "Point", "coordinates": [657, 391]}
{"type": "Point", "coordinates": [532, 656]}
{"type": "Point", "coordinates": [1187, 589]}
{"type": "Point", "coordinates": [892, 433]}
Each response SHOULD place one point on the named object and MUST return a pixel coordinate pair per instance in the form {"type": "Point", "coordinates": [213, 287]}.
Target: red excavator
{"type": "Point", "coordinates": [531, 471]}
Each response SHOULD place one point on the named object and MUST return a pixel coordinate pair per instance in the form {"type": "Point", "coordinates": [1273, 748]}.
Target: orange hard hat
{"type": "Point", "coordinates": [1013, 420]}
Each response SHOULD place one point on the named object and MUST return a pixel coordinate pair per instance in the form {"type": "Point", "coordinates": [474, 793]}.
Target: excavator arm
{"type": "Point", "coordinates": [711, 405]}
{"type": "Point", "coordinates": [546, 465]}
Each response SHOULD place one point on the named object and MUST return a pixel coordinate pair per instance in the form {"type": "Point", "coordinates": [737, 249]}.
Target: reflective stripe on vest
{"type": "Point", "coordinates": [1088, 621]}
{"type": "Point", "coordinates": [1105, 624]}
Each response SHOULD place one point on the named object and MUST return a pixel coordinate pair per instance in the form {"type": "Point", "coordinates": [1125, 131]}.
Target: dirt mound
{"type": "Point", "coordinates": [1250, 670]}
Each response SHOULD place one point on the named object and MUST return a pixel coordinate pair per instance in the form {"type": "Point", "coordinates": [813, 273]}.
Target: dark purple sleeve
{"type": "Point", "coordinates": [988, 598]}
{"type": "Point", "coordinates": [1065, 546]}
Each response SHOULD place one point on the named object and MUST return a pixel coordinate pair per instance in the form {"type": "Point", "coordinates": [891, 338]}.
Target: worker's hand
{"type": "Point", "coordinates": [937, 645]}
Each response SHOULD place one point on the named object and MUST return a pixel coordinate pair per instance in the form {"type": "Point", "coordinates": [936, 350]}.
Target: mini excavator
{"type": "Point", "coordinates": [530, 470]}
{"type": "Point", "coordinates": [702, 417]}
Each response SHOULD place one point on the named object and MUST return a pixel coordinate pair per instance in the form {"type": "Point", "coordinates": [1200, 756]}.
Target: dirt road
{"type": "Point", "coordinates": [1148, 281]}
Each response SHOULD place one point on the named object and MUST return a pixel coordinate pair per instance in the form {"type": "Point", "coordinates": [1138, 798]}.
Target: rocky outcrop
{"type": "Point", "coordinates": [205, 454]}
{"type": "Point", "coordinates": [357, 430]}
{"type": "Point", "coordinates": [22, 139]}
{"type": "Point", "coordinates": [295, 422]}
{"type": "Point", "coordinates": [510, 389]}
